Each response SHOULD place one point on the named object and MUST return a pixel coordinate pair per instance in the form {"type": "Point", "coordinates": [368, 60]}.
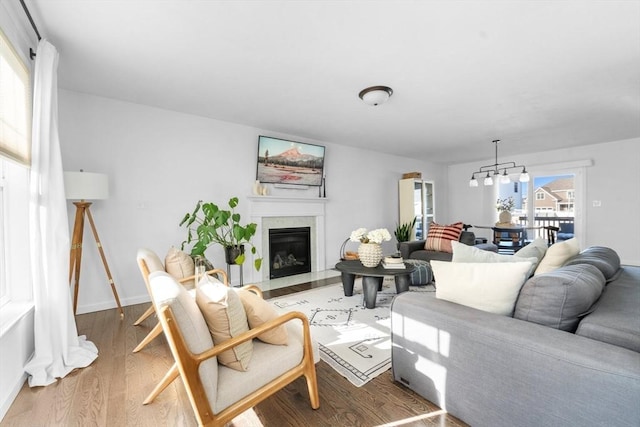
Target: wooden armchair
{"type": "Point", "coordinates": [216, 392]}
{"type": "Point", "coordinates": [149, 262]}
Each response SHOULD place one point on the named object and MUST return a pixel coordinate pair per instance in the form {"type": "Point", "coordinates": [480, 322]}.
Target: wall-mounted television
{"type": "Point", "coordinates": [289, 162]}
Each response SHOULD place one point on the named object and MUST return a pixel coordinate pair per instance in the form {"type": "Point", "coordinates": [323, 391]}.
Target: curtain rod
{"type": "Point", "coordinates": [32, 54]}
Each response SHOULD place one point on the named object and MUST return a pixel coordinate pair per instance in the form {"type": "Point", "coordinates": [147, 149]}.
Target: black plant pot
{"type": "Point", "coordinates": [232, 252]}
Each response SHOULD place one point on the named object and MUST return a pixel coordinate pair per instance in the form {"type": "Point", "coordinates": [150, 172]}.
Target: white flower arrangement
{"type": "Point", "coordinates": [505, 204]}
{"type": "Point", "coordinates": [374, 236]}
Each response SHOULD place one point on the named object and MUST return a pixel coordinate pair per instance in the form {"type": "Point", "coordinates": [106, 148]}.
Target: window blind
{"type": "Point", "coordinates": [15, 105]}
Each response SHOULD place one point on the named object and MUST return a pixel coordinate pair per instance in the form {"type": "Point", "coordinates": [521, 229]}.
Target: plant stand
{"type": "Point", "coordinates": [229, 273]}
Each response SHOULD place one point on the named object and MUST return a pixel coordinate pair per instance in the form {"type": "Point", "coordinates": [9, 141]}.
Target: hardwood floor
{"type": "Point", "coordinates": [110, 391]}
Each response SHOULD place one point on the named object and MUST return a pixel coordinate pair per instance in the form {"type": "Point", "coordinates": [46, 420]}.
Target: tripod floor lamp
{"type": "Point", "coordinates": [85, 186]}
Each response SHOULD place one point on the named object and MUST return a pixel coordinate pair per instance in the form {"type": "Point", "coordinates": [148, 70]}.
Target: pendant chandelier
{"type": "Point", "coordinates": [498, 171]}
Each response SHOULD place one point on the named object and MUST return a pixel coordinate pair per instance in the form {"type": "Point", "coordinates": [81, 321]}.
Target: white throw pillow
{"type": "Point", "coordinates": [492, 287]}
{"type": "Point", "coordinates": [557, 255]}
{"type": "Point", "coordinates": [466, 253]}
{"type": "Point", "coordinates": [537, 249]}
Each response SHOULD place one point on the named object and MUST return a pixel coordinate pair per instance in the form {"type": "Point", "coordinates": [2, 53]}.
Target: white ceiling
{"type": "Point", "coordinates": [538, 75]}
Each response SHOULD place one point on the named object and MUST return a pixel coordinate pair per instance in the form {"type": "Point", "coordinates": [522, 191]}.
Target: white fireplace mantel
{"type": "Point", "coordinates": [271, 206]}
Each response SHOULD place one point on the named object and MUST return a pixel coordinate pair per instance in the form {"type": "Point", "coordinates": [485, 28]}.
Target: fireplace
{"type": "Point", "coordinates": [282, 212]}
{"type": "Point", "coordinates": [289, 251]}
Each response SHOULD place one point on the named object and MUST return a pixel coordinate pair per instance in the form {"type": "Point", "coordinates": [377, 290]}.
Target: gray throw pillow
{"type": "Point", "coordinates": [560, 298]}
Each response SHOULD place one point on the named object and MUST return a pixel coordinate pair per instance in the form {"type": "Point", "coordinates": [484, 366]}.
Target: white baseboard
{"type": "Point", "coordinates": [106, 305]}
{"type": "Point", "coordinates": [11, 396]}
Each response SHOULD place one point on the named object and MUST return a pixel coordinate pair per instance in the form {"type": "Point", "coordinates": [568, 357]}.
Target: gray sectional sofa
{"type": "Point", "coordinates": [551, 364]}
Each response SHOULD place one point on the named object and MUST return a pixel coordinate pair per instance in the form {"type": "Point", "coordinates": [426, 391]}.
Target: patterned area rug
{"type": "Point", "coordinates": [353, 340]}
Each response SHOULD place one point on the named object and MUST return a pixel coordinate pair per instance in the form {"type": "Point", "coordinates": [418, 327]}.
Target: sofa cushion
{"type": "Point", "coordinates": [557, 255]}
{"type": "Point", "coordinates": [605, 259]}
{"type": "Point", "coordinates": [491, 287]}
{"type": "Point", "coordinates": [616, 318]}
{"type": "Point", "coordinates": [225, 316]}
{"type": "Point", "coordinates": [439, 237]}
{"type": "Point", "coordinates": [560, 298]}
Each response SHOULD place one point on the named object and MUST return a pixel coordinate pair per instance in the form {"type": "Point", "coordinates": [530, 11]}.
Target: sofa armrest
{"type": "Point", "coordinates": [491, 370]}
{"type": "Point", "coordinates": [407, 247]}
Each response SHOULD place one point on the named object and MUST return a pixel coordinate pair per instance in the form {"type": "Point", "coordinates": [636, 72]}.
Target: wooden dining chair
{"type": "Point", "coordinates": [509, 239]}
{"type": "Point", "coordinates": [552, 232]}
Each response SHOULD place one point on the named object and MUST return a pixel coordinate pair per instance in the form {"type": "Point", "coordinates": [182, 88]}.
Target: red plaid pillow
{"type": "Point", "coordinates": [440, 236]}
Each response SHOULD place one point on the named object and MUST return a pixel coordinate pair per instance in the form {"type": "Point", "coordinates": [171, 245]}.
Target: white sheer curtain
{"type": "Point", "coordinates": [58, 349]}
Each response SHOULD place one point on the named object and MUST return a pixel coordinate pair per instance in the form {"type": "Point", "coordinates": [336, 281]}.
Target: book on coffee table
{"type": "Point", "coordinates": [393, 265]}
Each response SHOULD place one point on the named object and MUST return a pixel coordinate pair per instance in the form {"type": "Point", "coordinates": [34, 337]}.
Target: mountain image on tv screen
{"type": "Point", "coordinates": [289, 162]}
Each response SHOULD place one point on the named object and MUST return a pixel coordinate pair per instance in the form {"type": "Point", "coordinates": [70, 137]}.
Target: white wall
{"type": "Point", "coordinates": [613, 179]}
{"type": "Point", "coordinates": [161, 162]}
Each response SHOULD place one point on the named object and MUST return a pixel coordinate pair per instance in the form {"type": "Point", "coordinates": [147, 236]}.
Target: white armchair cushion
{"type": "Point", "coordinates": [166, 291]}
{"type": "Point", "coordinates": [268, 362]}
{"type": "Point", "coordinates": [151, 259]}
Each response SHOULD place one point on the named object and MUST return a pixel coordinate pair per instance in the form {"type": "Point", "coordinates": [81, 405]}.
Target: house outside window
{"type": "Point", "coordinates": [539, 196]}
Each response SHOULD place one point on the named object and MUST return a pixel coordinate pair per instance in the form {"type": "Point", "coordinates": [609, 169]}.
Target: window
{"type": "Point", "coordinates": [560, 201]}
{"type": "Point", "coordinates": [15, 144]}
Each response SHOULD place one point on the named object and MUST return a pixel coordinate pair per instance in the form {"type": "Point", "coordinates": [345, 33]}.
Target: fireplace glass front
{"type": "Point", "coordinates": [289, 251]}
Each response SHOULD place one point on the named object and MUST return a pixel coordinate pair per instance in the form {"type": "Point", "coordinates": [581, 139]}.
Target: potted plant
{"type": "Point", "coordinates": [208, 224]}
{"type": "Point", "coordinates": [504, 207]}
{"type": "Point", "coordinates": [403, 231]}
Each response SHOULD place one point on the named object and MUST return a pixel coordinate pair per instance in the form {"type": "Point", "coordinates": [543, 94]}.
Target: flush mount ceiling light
{"type": "Point", "coordinates": [375, 95]}
{"type": "Point", "coordinates": [498, 170]}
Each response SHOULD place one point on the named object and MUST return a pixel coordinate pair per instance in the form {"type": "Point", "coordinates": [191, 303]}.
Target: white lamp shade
{"type": "Point", "coordinates": [86, 186]}
{"type": "Point", "coordinates": [488, 180]}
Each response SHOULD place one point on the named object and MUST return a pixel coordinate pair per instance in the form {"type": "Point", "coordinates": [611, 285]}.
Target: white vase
{"type": "Point", "coordinates": [370, 254]}
{"type": "Point", "coordinates": [505, 217]}
{"type": "Point", "coordinates": [257, 189]}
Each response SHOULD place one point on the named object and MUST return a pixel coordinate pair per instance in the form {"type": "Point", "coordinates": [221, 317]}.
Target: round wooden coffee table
{"type": "Point", "coordinates": [372, 279]}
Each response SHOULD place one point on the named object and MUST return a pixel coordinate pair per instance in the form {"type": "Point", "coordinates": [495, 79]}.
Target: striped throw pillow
{"type": "Point", "coordinates": [440, 236]}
